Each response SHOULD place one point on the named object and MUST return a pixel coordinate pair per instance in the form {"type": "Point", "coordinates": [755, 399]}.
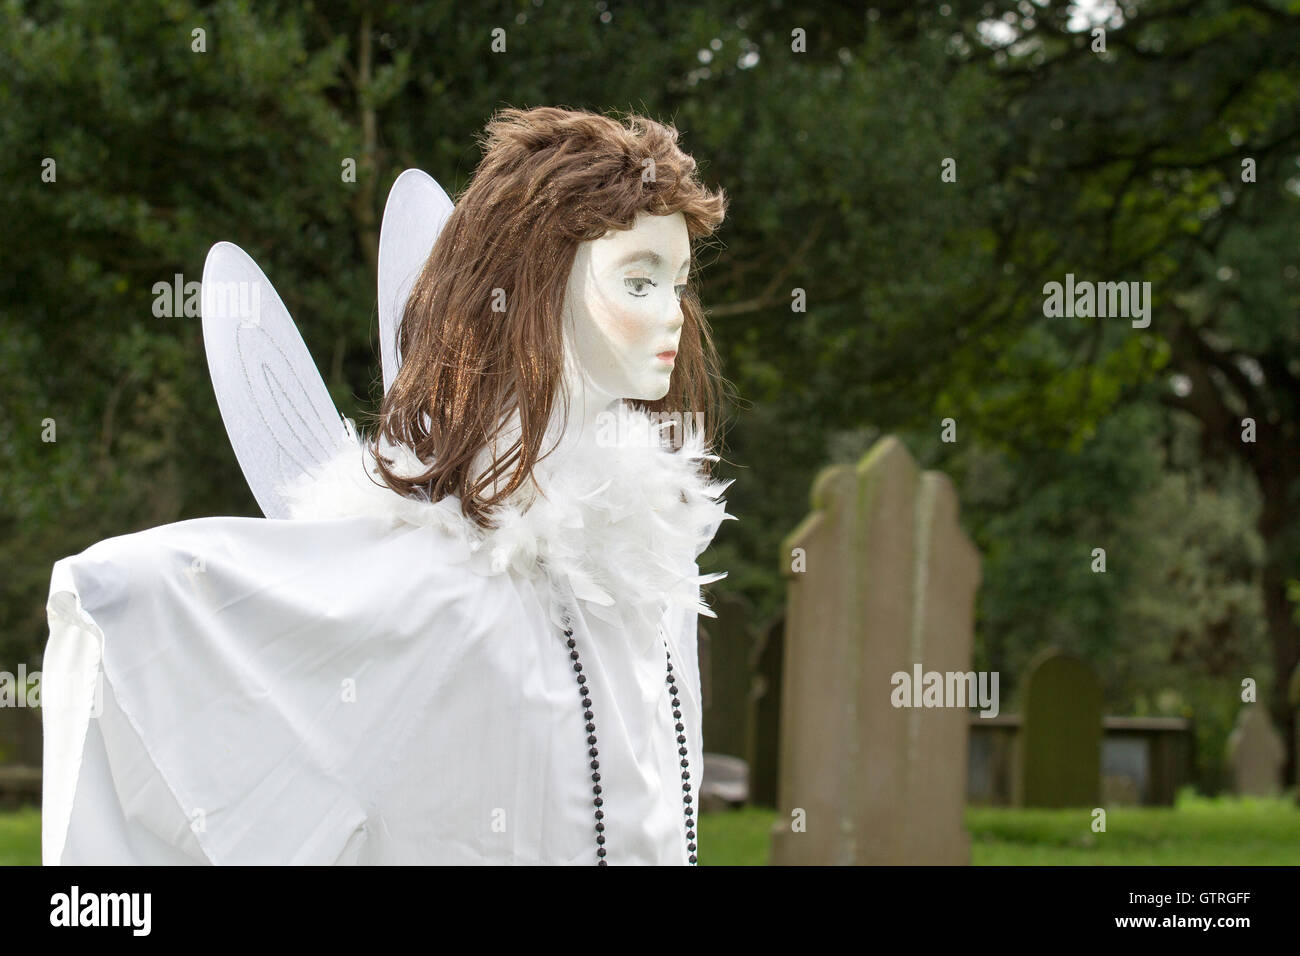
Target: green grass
{"type": "Point", "coordinates": [736, 837]}
{"type": "Point", "coordinates": [1197, 831]}
{"type": "Point", "coordinates": [20, 837]}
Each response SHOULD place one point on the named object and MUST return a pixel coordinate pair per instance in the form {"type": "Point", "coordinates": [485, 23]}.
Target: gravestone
{"type": "Point", "coordinates": [1060, 739]}
{"type": "Point", "coordinates": [888, 582]}
{"type": "Point", "coordinates": [724, 783]}
{"type": "Point", "coordinates": [1256, 753]}
{"type": "Point", "coordinates": [767, 714]}
{"type": "Point", "coordinates": [993, 769]}
{"type": "Point", "coordinates": [727, 677]}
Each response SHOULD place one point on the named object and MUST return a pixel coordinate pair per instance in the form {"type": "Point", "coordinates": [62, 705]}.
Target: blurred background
{"type": "Point", "coordinates": [918, 172]}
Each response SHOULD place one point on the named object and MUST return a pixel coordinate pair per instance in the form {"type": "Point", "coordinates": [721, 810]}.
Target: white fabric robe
{"type": "Point", "coordinates": [383, 688]}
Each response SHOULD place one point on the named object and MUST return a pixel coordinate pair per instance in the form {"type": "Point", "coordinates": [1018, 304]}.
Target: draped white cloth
{"type": "Point", "coordinates": [380, 681]}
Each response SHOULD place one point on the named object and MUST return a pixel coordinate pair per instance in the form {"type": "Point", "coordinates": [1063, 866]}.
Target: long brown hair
{"type": "Point", "coordinates": [549, 179]}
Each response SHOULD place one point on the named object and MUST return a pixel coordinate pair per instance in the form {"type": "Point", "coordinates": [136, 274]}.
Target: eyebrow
{"type": "Point", "coordinates": [646, 255]}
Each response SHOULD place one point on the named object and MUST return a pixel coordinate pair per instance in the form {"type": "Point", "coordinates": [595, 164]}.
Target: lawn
{"type": "Point", "coordinates": [1198, 831]}
{"type": "Point", "coordinates": [20, 837]}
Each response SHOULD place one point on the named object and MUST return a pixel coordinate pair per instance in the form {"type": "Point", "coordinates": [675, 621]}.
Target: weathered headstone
{"type": "Point", "coordinates": [724, 782]}
{"type": "Point", "coordinates": [767, 714]}
{"type": "Point", "coordinates": [727, 678]}
{"type": "Point", "coordinates": [1061, 735]}
{"type": "Point", "coordinates": [993, 769]}
{"type": "Point", "coordinates": [1256, 753]}
{"type": "Point", "coordinates": [883, 579]}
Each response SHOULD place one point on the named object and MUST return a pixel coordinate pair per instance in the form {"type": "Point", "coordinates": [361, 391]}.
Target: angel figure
{"type": "Point", "coordinates": [466, 638]}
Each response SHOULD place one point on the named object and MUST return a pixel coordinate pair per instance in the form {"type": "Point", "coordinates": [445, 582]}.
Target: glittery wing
{"type": "Point", "coordinates": [280, 418]}
{"type": "Point", "coordinates": [414, 215]}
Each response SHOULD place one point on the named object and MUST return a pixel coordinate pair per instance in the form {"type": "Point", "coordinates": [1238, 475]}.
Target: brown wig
{"type": "Point", "coordinates": [549, 179]}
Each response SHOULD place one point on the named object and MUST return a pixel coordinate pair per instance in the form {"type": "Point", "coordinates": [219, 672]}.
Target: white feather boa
{"type": "Point", "coordinates": [618, 523]}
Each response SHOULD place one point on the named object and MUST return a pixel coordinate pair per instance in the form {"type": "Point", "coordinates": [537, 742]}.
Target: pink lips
{"type": "Point", "coordinates": [667, 356]}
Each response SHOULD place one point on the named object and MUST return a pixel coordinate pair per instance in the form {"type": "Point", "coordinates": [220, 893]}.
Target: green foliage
{"type": "Point", "coordinates": [924, 297]}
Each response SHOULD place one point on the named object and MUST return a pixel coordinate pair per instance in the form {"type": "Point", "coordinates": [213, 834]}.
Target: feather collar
{"type": "Point", "coordinates": [616, 521]}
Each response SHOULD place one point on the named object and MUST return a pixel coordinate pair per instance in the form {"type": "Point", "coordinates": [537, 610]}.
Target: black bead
{"type": "Point", "coordinates": [593, 752]}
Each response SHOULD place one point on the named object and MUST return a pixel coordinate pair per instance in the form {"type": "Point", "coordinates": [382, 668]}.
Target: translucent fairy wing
{"type": "Point", "coordinates": [279, 415]}
{"type": "Point", "coordinates": [414, 215]}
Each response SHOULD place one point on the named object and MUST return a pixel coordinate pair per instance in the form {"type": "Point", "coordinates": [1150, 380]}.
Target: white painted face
{"type": "Point", "coordinates": [623, 311]}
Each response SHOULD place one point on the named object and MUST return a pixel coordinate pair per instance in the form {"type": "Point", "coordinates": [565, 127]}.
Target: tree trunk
{"type": "Point", "coordinates": [1283, 631]}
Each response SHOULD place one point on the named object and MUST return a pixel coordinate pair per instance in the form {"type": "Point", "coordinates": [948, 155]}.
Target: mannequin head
{"type": "Point", "coordinates": [623, 309]}
{"type": "Point", "coordinates": [560, 277]}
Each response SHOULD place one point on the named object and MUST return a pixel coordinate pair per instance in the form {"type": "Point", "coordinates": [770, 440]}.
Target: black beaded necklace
{"type": "Point", "coordinates": [594, 753]}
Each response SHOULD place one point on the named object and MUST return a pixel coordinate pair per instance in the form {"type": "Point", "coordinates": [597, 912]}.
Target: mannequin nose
{"type": "Point", "coordinates": [676, 316]}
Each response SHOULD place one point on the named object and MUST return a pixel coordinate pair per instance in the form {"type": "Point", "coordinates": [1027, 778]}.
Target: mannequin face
{"type": "Point", "coordinates": [623, 313]}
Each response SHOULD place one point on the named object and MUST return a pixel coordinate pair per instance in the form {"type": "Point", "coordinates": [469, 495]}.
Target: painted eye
{"type": "Point", "coordinates": [637, 284]}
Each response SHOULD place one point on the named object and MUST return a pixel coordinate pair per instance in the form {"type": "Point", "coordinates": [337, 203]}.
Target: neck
{"type": "Point", "coordinates": [586, 406]}
{"type": "Point", "coordinates": [581, 423]}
